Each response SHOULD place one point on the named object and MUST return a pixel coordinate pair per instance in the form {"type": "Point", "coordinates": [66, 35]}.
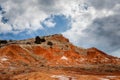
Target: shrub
{"type": "Point", "coordinates": [37, 40]}
{"type": "Point", "coordinates": [28, 43]}
{"type": "Point", "coordinates": [42, 40]}
{"type": "Point", "coordinates": [49, 43]}
{"type": "Point", "coordinates": [3, 41]}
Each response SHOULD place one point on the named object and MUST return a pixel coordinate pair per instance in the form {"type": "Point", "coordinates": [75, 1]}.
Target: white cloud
{"type": "Point", "coordinates": [28, 14]}
{"type": "Point", "coordinates": [109, 17]}
{"type": "Point", "coordinates": [5, 28]}
{"type": "Point", "coordinates": [49, 23]}
{"type": "Point", "coordinates": [23, 15]}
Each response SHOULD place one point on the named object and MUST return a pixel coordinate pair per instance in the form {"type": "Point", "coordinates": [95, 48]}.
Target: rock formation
{"type": "Point", "coordinates": [51, 53]}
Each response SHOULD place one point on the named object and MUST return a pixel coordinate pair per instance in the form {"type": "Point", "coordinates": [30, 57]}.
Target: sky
{"type": "Point", "coordinates": [86, 23]}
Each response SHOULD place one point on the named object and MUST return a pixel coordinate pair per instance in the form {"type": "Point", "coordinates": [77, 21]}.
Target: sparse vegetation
{"type": "Point", "coordinates": [49, 43]}
{"type": "Point", "coordinates": [3, 41]}
{"type": "Point", "coordinates": [42, 40]}
{"type": "Point", "coordinates": [39, 40]}
{"type": "Point", "coordinates": [28, 43]}
{"type": "Point", "coordinates": [53, 54]}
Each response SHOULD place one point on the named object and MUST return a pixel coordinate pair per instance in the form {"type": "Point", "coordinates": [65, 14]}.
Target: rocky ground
{"type": "Point", "coordinates": [54, 58]}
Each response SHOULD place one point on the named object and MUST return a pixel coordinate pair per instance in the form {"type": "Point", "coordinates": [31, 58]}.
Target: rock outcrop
{"type": "Point", "coordinates": [50, 51]}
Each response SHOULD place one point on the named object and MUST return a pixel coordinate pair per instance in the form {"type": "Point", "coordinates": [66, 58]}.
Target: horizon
{"type": "Point", "coordinates": [86, 23]}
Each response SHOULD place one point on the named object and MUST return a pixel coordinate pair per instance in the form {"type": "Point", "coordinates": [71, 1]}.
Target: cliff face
{"type": "Point", "coordinates": [50, 51]}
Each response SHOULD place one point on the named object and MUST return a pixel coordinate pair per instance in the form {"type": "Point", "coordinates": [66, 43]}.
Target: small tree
{"type": "Point", "coordinates": [37, 40]}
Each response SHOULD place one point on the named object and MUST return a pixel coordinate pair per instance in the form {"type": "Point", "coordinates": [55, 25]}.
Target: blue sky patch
{"type": "Point", "coordinates": [62, 24]}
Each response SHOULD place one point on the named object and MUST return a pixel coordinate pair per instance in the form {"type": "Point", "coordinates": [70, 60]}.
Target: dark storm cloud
{"type": "Point", "coordinates": [104, 4]}
{"type": "Point", "coordinates": [106, 32]}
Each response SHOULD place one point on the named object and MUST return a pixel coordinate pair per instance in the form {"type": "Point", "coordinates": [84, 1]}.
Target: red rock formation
{"type": "Point", "coordinates": [61, 53]}
{"type": "Point", "coordinates": [26, 56]}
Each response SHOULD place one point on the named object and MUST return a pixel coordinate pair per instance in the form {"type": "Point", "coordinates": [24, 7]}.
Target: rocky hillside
{"type": "Point", "coordinates": [54, 51]}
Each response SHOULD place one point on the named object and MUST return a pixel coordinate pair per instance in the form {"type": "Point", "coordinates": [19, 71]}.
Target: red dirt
{"type": "Point", "coordinates": [62, 56]}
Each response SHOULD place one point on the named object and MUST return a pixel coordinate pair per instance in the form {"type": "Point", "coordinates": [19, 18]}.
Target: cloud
{"type": "Point", "coordinates": [105, 31]}
{"type": "Point", "coordinates": [5, 28]}
{"type": "Point", "coordinates": [29, 14]}
{"type": "Point", "coordinates": [116, 53]}
{"type": "Point", "coordinates": [22, 15]}
{"type": "Point", "coordinates": [49, 23]}
{"type": "Point", "coordinates": [103, 4]}
{"type": "Point", "coordinates": [92, 22]}
{"type": "Point", "coordinates": [99, 26]}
